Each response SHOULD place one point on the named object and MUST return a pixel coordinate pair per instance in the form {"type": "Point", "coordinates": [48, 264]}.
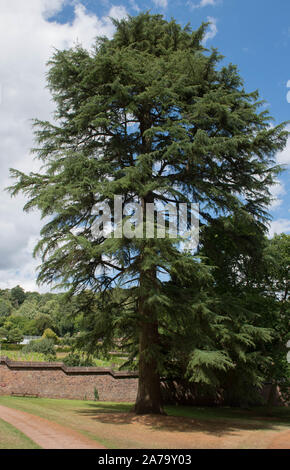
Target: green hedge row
{"type": "Point", "coordinates": [11, 347]}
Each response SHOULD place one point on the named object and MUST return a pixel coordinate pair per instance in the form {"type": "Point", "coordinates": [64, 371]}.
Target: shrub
{"type": "Point", "coordinates": [67, 340]}
{"type": "Point", "coordinates": [50, 334]}
{"type": "Point", "coordinates": [12, 347]}
{"type": "Point", "coordinates": [44, 346]}
{"type": "Point", "coordinates": [14, 335]}
{"type": "Point", "coordinates": [74, 359]}
{"type": "Point", "coordinates": [63, 349]}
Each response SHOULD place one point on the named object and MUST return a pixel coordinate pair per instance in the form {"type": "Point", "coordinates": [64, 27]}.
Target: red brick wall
{"type": "Point", "coordinates": [54, 380]}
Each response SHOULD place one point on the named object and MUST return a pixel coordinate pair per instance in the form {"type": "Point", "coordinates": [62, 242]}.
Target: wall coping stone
{"type": "Point", "coordinates": [67, 370]}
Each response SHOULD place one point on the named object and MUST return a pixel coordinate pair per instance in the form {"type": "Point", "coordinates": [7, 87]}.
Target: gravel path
{"type": "Point", "coordinates": [282, 441]}
{"type": "Point", "coordinates": [46, 434]}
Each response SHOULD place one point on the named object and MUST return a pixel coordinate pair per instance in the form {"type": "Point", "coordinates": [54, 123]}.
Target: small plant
{"type": "Point", "coordinates": [96, 394]}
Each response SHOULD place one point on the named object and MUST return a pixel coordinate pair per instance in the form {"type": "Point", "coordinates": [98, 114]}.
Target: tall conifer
{"type": "Point", "coordinates": [153, 116]}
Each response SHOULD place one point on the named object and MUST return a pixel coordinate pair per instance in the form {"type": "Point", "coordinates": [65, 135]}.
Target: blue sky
{"type": "Point", "coordinates": [254, 34]}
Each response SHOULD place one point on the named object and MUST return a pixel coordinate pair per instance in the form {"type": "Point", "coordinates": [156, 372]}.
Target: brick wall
{"type": "Point", "coordinates": [54, 380]}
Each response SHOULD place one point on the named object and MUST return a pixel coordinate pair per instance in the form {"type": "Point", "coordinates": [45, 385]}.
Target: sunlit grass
{"type": "Point", "coordinates": [11, 438]}
{"type": "Point", "coordinates": [114, 362]}
{"type": "Point", "coordinates": [23, 356]}
{"type": "Point", "coordinates": [113, 425]}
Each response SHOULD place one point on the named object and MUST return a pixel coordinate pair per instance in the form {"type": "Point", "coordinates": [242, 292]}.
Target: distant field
{"type": "Point", "coordinates": [20, 356]}
{"type": "Point", "coordinates": [116, 427]}
{"type": "Point", "coordinates": [114, 362]}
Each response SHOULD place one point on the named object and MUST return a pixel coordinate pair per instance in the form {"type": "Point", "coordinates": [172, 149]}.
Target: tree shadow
{"type": "Point", "coordinates": [120, 415]}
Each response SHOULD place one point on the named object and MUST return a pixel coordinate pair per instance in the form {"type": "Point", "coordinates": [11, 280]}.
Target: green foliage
{"type": "Point", "coordinates": [153, 116]}
{"type": "Point", "coordinates": [39, 312]}
{"type": "Point", "coordinates": [29, 309]}
{"type": "Point", "coordinates": [275, 285]}
{"type": "Point", "coordinates": [12, 347]}
{"type": "Point", "coordinates": [50, 334]}
{"type": "Point", "coordinates": [5, 309]}
{"type": "Point", "coordinates": [14, 335]}
{"type": "Point", "coordinates": [3, 333]}
{"type": "Point", "coordinates": [42, 322]}
{"type": "Point", "coordinates": [76, 359]}
{"type": "Point", "coordinates": [44, 346]}
{"type": "Point", "coordinates": [17, 295]}
{"type": "Point", "coordinates": [66, 341]}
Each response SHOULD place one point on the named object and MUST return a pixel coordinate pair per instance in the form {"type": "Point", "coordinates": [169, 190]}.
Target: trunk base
{"type": "Point", "coordinates": [148, 409]}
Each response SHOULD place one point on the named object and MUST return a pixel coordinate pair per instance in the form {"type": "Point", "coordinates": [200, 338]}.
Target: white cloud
{"type": "Point", "coordinates": [134, 6]}
{"type": "Point", "coordinates": [29, 38]}
{"type": "Point", "coordinates": [161, 3]}
{"type": "Point", "coordinates": [284, 156]}
{"type": "Point", "coordinates": [277, 191]}
{"type": "Point", "coordinates": [288, 94]}
{"type": "Point", "coordinates": [212, 29]}
{"type": "Point", "coordinates": [279, 226]}
{"type": "Point", "coordinates": [203, 3]}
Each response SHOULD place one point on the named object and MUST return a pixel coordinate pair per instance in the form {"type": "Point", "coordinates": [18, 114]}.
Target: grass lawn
{"type": "Point", "coordinates": [112, 424]}
{"type": "Point", "coordinates": [11, 438]}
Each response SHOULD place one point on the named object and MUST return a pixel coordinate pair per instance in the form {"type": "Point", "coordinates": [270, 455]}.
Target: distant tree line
{"type": "Point", "coordinates": [31, 313]}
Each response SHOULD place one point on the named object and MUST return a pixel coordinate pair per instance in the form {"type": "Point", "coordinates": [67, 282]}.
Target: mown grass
{"type": "Point", "coordinates": [11, 438]}
{"type": "Point", "coordinates": [276, 414]}
{"type": "Point", "coordinates": [112, 424]}
{"type": "Point", "coordinates": [52, 407]}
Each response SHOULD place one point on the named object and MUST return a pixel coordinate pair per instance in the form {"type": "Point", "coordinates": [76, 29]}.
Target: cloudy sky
{"type": "Point", "coordinates": [255, 38]}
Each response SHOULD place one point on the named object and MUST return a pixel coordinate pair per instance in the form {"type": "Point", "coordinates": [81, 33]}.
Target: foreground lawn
{"type": "Point", "coordinates": [11, 438]}
{"type": "Point", "coordinates": [114, 426]}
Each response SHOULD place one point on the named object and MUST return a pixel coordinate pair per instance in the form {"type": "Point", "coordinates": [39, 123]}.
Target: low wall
{"type": "Point", "coordinates": [55, 380]}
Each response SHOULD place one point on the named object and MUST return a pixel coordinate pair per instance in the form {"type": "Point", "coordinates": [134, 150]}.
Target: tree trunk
{"type": "Point", "coordinates": [149, 399]}
{"type": "Point", "coordinates": [272, 395]}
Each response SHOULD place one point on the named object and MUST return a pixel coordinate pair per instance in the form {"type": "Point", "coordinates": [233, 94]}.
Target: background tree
{"type": "Point", "coordinates": [234, 248]}
{"type": "Point", "coordinates": [17, 295]}
{"type": "Point", "coordinates": [42, 322]}
{"type": "Point", "coordinates": [3, 333]}
{"type": "Point", "coordinates": [152, 116]}
{"type": "Point", "coordinates": [29, 309]}
{"type": "Point", "coordinates": [5, 309]}
{"type": "Point", "coordinates": [14, 335]}
{"type": "Point", "coordinates": [275, 284]}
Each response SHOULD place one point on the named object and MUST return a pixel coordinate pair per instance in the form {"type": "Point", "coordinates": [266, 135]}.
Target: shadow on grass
{"type": "Point", "coordinates": [217, 422]}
